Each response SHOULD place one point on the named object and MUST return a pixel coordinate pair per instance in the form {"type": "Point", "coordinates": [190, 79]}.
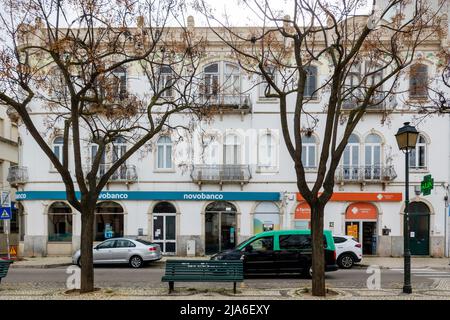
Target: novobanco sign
{"type": "Point", "coordinates": [156, 195]}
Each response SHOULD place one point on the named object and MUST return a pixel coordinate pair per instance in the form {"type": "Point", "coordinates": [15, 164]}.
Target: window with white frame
{"type": "Point", "coordinates": [58, 146]}
{"type": "Point", "coordinates": [232, 150]}
{"type": "Point", "coordinates": [267, 157]}
{"type": "Point", "coordinates": [119, 88]}
{"type": "Point", "coordinates": [418, 156]}
{"type": "Point", "coordinates": [351, 158]}
{"type": "Point", "coordinates": [165, 82]}
{"type": "Point", "coordinates": [94, 149]}
{"type": "Point", "coordinates": [164, 150]}
{"type": "Point", "coordinates": [418, 81]}
{"type": "Point", "coordinates": [211, 80]}
{"type": "Point", "coordinates": [211, 151]}
{"type": "Point", "coordinates": [361, 77]}
{"type": "Point", "coordinates": [221, 79]}
{"type": "Point", "coordinates": [311, 82]}
{"type": "Point", "coordinates": [372, 155]}
{"type": "Point", "coordinates": [309, 151]}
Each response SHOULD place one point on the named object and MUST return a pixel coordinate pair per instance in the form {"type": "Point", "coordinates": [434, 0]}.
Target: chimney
{"type": "Point", "coordinates": [286, 24]}
{"type": "Point", "coordinates": [190, 22]}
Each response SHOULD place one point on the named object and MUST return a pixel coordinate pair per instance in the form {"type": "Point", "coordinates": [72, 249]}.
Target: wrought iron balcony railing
{"type": "Point", "coordinates": [236, 102]}
{"type": "Point", "coordinates": [125, 173]}
{"type": "Point", "coordinates": [221, 174]}
{"type": "Point", "coordinates": [365, 174]}
{"type": "Point", "coordinates": [17, 175]}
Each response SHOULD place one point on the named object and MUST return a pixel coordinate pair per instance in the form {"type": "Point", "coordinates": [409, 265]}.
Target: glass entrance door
{"type": "Point", "coordinates": [220, 227]}
{"type": "Point", "coordinates": [164, 231]}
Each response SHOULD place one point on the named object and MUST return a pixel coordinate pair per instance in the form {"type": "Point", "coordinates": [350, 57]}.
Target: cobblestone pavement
{"type": "Point", "coordinates": [440, 290]}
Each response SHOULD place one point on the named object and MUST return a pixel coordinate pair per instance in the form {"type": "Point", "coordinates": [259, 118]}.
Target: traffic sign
{"type": "Point", "coordinates": [5, 199]}
{"type": "Point", "coordinates": [5, 213]}
{"type": "Point", "coordinates": [427, 185]}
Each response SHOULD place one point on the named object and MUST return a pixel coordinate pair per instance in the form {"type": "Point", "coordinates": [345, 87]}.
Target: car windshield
{"type": "Point", "coordinates": [248, 239]}
{"type": "Point", "coordinates": [147, 243]}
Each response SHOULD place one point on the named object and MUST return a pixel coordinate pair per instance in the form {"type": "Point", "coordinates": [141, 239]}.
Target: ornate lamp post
{"type": "Point", "coordinates": [406, 139]}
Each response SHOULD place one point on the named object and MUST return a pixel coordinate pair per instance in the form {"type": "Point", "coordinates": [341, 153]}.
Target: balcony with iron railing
{"type": "Point", "coordinates": [17, 175]}
{"type": "Point", "coordinates": [228, 103]}
{"type": "Point", "coordinates": [365, 174]}
{"type": "Point", "coordinates": [125, 173]}
{"type": "Point", "coordinates": [221, 174]}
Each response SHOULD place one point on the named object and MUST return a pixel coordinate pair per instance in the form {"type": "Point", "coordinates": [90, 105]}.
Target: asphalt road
{"type": "Point", "coordinates": [113, 276]}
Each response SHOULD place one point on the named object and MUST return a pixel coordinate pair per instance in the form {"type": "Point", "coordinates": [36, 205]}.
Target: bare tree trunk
{"type": "Point", "coordinates": [318, 253]}
{"type": "Point", "coordinates": [87, 239]}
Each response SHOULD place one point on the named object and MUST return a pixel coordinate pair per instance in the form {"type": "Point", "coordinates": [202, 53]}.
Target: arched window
{"type": "Point", "coordinates": [232, 150]}
{"type": "Point", "coordinates": [311, 82]}
{"type": "Point", "coordinates": [266, 217]}
{"type": "Point", "coordinates": [351, 158]}
{"type": "Point", "coordinates": [418, 156]}
{"type": "Point", "coordinates": [267, 155]}
{"type": "Point", "coordinates": [59, 222]}
{"type": "Point", "coordinates": [164, 150]}
{"type": "Point", "coordinates": [108, 221]}
{"type": "Point", "coordinates": [211, 79]}
{"type": "Point", "coordinates": [309, 151]}
{"type": "Point", "coordinates": [232, 80]}
{"type": "Point", "coordinates": [372, 154]}
{"type": "Point", "coordinates": [165, 81]}
{"type": "Point", "coordinates": [418, 81]}
{"type": "Point", "coordinates": [58, 145]}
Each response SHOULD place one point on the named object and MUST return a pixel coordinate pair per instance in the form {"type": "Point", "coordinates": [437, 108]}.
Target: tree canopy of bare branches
{"type": "Point", "coordinates": [362, 57]}
{"type": "Point", "coordinates": [102, 72]}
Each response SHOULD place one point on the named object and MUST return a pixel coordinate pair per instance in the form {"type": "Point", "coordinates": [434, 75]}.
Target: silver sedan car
{"type": "Point", "coordinates": [135, 252]}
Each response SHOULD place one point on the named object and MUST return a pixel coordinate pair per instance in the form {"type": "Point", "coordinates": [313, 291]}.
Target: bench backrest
{"type": "Point", "coordinates": [4, 266]}
{"type": "Point", "coordinates": [206, 268]}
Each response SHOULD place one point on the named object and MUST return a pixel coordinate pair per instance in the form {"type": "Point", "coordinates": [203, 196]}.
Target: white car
{"type": "Point", "coordinates": [135, 252]}
{"type": "Point", "coordinates": [348, 251]}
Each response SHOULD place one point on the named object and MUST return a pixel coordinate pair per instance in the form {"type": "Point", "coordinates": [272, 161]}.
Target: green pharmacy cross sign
{"type": "Point", "coordinates": [426, 185]}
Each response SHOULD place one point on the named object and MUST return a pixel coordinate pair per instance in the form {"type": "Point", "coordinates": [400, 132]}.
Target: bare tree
{"type": "Point", "coordinates": [364, 56]}
{"type": "Point", "coordinates": [73, 61]}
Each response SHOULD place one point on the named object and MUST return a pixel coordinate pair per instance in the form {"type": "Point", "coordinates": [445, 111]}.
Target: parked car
{"type": "Point", "coordinates": [283, 251]}
{"type": "Point", "coordinates": [135, 252]}
{"type": "Point", "coordinates": [348, 251]}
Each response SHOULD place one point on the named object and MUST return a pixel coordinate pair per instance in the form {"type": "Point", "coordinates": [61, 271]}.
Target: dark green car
{"type": "Point", "coordinates": [283, 251]}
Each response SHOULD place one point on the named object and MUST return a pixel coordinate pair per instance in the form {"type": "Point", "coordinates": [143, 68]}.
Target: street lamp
{"type": "Point", "coordinates": [406, 139]}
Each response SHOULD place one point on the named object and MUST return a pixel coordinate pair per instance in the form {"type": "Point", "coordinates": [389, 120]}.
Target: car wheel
{"type": "Point", "coordinates": [307, 272]}
{"type": "Point", "coordinates": [136, 262]}
{"type": "Point", "coordinates": [346, 261]}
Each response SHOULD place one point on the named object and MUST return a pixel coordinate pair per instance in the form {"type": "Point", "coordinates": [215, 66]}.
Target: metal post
{"type": "Point", "coordinates": [407, 253]}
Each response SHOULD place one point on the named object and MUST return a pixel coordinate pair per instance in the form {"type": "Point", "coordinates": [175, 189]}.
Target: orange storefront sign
{"type": "Point", "coordinates": [361, 211]}
{"type": "Point", "coordinates": [303, 211]}
{"type": "Point", "coordinates": [363, 196]}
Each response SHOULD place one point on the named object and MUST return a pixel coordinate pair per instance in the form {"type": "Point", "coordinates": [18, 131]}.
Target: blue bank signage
{"type": "Point", "coordinates": [156, 195]}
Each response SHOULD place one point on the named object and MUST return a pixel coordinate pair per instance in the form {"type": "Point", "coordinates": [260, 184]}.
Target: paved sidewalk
{"type": "Point", "coordinates": [54, 262]}
{"type": "Point", "coordinates": [416, 262]}
{"type": "Point", "coordinates": [35, 291]}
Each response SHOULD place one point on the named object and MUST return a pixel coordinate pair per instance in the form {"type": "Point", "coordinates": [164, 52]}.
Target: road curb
{"type": "Point", "coordinates": [39, 266]}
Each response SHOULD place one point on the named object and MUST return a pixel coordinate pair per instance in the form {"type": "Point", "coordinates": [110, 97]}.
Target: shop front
{"type": "Point", "coordinates": [208, 221]}
{"type": "Point", "coordinates": [360, 219]}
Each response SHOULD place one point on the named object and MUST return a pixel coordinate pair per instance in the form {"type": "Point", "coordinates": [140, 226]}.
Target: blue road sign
{"type": "Point", "coordinates": [5, 213]}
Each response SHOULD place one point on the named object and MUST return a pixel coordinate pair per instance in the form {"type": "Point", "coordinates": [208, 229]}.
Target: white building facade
{"type": "Point", "coordinates": [243, 181]}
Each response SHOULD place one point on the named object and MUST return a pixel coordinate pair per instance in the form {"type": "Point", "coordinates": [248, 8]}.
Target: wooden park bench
{"type": "Point", "coordinates": [4, 267]}
{"type": "Point", "coordinates": [203, 271]}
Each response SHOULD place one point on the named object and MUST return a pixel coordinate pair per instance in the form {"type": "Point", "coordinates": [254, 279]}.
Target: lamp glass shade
{"type": "Point", "coordinates": [407, 137]}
